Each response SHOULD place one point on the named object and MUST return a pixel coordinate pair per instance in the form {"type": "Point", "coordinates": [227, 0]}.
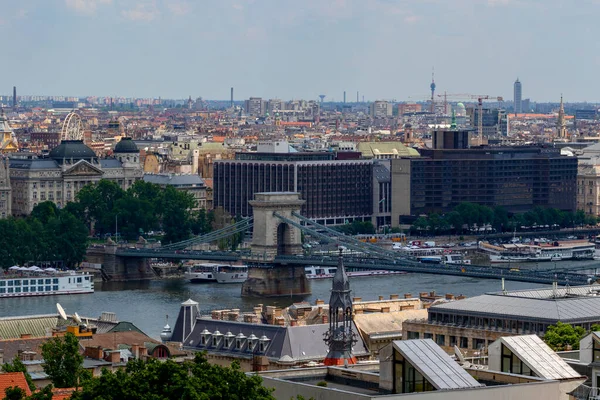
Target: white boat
{"type": "Point", "coordinates": [200, 273]}
{"type": "Point", "coordinates": [455, 258]}
{"type": "Point", "coordinates": [313, 272]}
{"type": "Point", "coordinates": [231, 273]}
{"type": "Point", "coordinates": [28, 282]}
{"type": "Point", "coordinates": [556, 251]}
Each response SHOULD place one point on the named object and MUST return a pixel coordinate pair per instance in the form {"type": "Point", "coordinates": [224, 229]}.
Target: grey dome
{"type": "Point", "coordinates": [126, 145]}
{"type": "Point", "coordinates": [72, 149]}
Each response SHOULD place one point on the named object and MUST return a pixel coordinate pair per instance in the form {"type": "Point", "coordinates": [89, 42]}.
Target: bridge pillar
{"type": "Point", "coordinates": [117, 268]}
{"type": "Point", "coordinates": [272, 237]}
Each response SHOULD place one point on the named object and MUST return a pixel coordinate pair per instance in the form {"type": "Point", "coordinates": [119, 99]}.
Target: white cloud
{"type": "Point", "coordinates": [86, 6]}
{"type": "Point", "coordinates": [178, 8]}
{"type": "Point", "coordinates": [141, 12]}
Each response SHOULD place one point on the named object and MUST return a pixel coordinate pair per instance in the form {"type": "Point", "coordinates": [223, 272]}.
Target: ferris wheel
{"type": "Point", "coordinates": [72, 128]}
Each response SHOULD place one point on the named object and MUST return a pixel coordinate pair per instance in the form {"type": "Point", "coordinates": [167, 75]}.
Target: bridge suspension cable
{"type": "Point", "coordinates": [238, 227]}
{"type": "Point", "coordinates": [348, 239]}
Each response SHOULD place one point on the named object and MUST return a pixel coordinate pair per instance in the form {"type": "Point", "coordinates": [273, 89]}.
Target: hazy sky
{"type": "Point", "coordinates": [299, 49]}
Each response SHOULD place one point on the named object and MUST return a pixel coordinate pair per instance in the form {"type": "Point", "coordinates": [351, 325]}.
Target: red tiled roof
{"type": "Point", "coordinates": [11, 379]}
{"type": "Point", "coordinates": [62, 393]}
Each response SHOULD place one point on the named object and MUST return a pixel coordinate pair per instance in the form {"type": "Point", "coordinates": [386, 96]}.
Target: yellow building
{"type": "Point", "coordinates": [9, 141]}
{"type": "Point", "coordinates": [385, 150]}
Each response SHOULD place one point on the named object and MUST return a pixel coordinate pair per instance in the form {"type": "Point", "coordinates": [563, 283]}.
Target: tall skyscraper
{"type": "Point", "coordinates": [517, 97]}
{"type": "Point", "coordinates": [14, 99]}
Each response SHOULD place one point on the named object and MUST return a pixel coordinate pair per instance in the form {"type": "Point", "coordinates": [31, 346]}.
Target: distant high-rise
{"type": "Point", "coordinates": [561, 126]}
{"type": "Point", "coordinates": [14, 99]}
{"type": "Point", "coordinates": [344, 97]}
{"type": "Point", "coordinates": [517, 97]}
{"type": "Point", "coordinates": [432, 87]}
{"type": "Point", "coordinates": [231, 97]}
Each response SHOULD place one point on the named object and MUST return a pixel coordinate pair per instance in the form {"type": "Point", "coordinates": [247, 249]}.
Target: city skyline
{"type": "Point", "coordinates": [383, 48]}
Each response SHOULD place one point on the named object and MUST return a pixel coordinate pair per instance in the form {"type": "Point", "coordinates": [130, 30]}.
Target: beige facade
{"type": "Point", "coordinates": [5, 189]}
{"type": "Point", "coordinates": [400, 175]}
{"type": "Point", "coordinates": [60, 177]}
{"type": "Point", "coordinates": [588, 188]}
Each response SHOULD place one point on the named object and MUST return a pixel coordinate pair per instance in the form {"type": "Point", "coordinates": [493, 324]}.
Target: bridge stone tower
{"type": "Point", "coordinates": [272, 237]}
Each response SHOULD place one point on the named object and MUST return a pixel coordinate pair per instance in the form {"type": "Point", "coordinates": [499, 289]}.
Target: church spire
{"type": "Point", "coordinates": [561, 128]}
{"type": "Point", "coordinates": [340, 338]}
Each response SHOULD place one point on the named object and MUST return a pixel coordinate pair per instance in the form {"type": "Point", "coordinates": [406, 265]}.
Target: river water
{"type": "Point", "coordinates": [147, 304]}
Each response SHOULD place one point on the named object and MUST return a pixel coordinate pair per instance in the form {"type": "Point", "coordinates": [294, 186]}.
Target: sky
{"type": "Point", "coordinates": [384, 49]}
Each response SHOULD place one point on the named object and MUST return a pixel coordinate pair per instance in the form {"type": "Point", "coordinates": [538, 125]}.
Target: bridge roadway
{"type": "Point", "coordinates": [399, 264]}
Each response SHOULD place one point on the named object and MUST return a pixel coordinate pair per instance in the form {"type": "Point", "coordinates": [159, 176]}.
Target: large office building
{"type": "Point", "coordinates": [517, 178]}
{"type": "Point", "coordinates": [67, 169]}
{"type": "Point", "coordinates": [336, 191]}
{"type": "Point", "coordinates": [473, 323]}
{"type": "Point", "coordinates": [380, 109]}
{"type": "Point", "coordinates": [255, 106]}
{"type": "Point", "coordinates": [518, 97]}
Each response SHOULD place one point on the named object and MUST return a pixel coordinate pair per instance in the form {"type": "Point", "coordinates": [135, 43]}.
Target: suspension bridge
{"type": "Point", "coordinates": [277, 260]}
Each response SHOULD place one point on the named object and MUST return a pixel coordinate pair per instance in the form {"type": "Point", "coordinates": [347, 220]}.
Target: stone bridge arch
{"type": "Point", "coordinates": [271, 236]}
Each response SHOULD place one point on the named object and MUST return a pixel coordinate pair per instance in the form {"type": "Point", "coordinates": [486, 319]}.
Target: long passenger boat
{"type": "Point", "coordinates": [556, 251]}
{"type": "Point", "coordinates": [34, 281]}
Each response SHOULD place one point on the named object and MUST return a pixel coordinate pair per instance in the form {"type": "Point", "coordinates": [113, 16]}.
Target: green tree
{"type": "Point", "coordinates": [68, 239]}
{"type": "Point", "coordinates": [18, 366]}
{"type": "Point", "coordinates": [176, 209]}
{"type": "Point", "coordinates": [157, 380]}
{"type": "Point", "coordinates": [561, 335]}
{"type": "Point", "coordinates": [63, 362]}
{"type": "Point", "coordinates": [44, 212]}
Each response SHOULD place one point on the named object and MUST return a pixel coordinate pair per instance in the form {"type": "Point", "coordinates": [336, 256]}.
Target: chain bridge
{"type": "Point", "coordinates": [276, 258]}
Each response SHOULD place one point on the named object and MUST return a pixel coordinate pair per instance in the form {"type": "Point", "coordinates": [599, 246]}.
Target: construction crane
{"type": "Point", "coordinates": [479, 98]}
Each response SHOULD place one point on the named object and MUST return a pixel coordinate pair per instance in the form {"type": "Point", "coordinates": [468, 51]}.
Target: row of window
{"type": "Point", "coordinates": [25, 289]}
{"type": "Point", "coordinates": [239, 343]}
{"type": "Point", "coordinates": [26, 282]}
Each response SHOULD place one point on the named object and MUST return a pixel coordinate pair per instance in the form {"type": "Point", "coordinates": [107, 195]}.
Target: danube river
{"type": "Point", "coordinates": [147, 304]}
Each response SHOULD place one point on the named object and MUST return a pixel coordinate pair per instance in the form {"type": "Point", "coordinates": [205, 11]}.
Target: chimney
{"type": "Point", "coordinates": [293, 322]}
{"type": "Point", "coordinates": [320, 302]}
{"type": "Point", "coordinates": [423, 294]}
{"type": "Point", "coordinates": [432, 294]}
{"type": "Point", "coordinates": [380, 298]}
{"type": "Point", "coordinates": [143, 352]}
{"type": "Point", "coordinates": [394, 297]}
{"type": "Point", "coordinates": [461, 297]}
{"type": "Point", "coordinates": [356, 299]}
{"type": "Point", "coordinates": [325, 319]}
{"type": "Point", "coordinates": [359, 311]}
{"type": "Point", "coordinates": [385, 309]}
{"type": "Point", "coordinates": [25, 335]}
{"type": "Point", "coordinates": [114, 357]}
{"type": "Point", "coordinates": [449, 296]}
{"type": "Point", "coordinates": [407, 296]}
{"type": "Point", "coordinates": [135, 349]}
{"type": "Point", "coordinates": [94, 352]}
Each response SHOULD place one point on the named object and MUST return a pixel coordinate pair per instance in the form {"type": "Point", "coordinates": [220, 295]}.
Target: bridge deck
{"type": "Point", "coordinates": [545, 277]}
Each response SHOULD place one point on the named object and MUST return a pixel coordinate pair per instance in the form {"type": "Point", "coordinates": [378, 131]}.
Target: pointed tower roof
{"type": "Point", "coordinates": [341, 284]}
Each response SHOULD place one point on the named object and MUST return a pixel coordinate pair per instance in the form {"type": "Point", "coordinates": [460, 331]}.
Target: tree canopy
{"type": "Point", "coordinates": [157, 380]}
{"type": "Point", "coordinates": [48, 234]}
{"type": "Point", "coordinates": [144, 207]}
{"type": "Point", "coordinates": [63, 362]}
{"type": "Point", "coordinates": [561, 336]}
{"type": "Point", "coordinates": [468, 216]}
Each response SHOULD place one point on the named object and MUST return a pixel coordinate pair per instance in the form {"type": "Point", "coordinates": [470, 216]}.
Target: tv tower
{"type": "Point", "coordinates": [432, 86]}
